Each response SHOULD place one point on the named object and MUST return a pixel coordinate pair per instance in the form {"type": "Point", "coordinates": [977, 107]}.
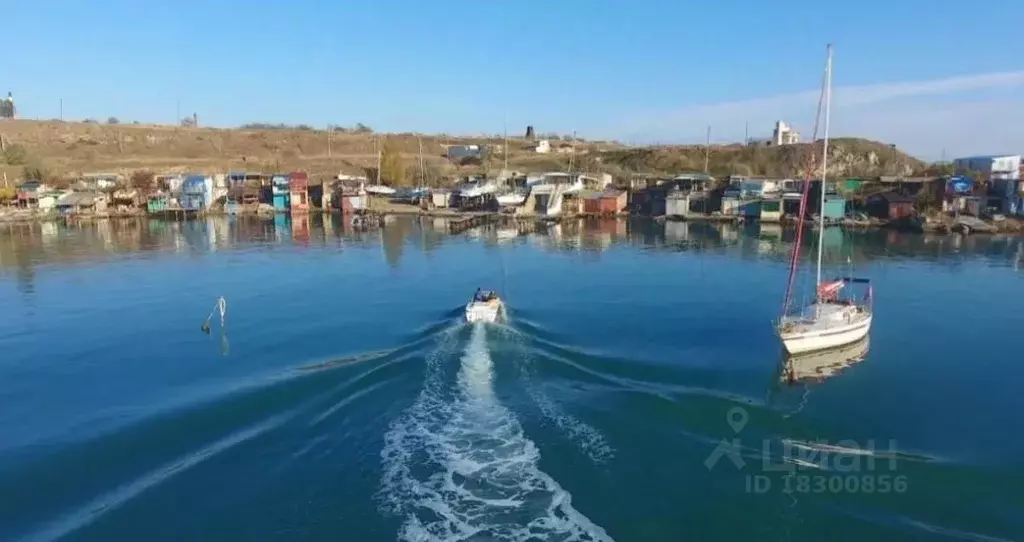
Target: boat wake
{"type": "Point", "coordinates": [458, 466]}
{"type": "Point", "coordinates": [585, 436]}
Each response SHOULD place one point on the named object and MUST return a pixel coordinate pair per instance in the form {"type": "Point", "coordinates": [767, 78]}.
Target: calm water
{"type": "Point", "coordinates": [344, 401]}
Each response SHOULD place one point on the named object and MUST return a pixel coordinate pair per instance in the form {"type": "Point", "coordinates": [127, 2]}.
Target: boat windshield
{"type": "Point", "coordinates": [483, 295]}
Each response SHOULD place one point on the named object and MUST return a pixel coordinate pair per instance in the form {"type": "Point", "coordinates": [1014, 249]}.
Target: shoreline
{"type": "Point", "coordinates": [1008, 226]}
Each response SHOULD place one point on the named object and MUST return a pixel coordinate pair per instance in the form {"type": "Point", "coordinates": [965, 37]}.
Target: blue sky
{"type": "Point", "coordinates": [926, 75]}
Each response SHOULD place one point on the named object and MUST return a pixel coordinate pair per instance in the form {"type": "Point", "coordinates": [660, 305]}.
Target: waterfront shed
{"type": "Point", "coordinates": [280, 193]}
{"type": "Point", "coordinates": [47, 201]}
{"type": "Point", "coordinates": [611, 202]}
{"type": "Point", "coordinates": [298, 192]}
{"type": "Point", "coordinates": [351, 203]}
{"type": "Point", "coordinates": [157, 202]}
{"type": "Point", "coordinates": [197, 193]}
{"type": "Point", "coordinates": [771, 210]}
{"type": "Point", "coordinates": [835, 207]}
{"type": "Point", "coordinates": [27, 194]}
{"type": "Point", "coordinates": [440, 198]}
{"type": "Point", "coordinates": [74, 203]}
{"type": "Point", "coordinates": [590, 202]}
{"type": "Point", "coordinates": [891, 205]}
{"type": "Point", "coordinates": [125, 199]}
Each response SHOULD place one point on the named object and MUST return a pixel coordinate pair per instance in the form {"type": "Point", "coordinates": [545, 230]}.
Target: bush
{"type": "Point", "coordinates": [34, 173]}
{"type": "Point", "coordinates": [15, 155]}
{"type": "Point", "coordinates": [362, 129]}
{"type": "Point", "coordinates": [113, 120]}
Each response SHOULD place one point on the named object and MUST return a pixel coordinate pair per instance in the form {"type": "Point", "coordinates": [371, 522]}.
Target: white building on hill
{"type": "Point", "coordinates": [784, 134]}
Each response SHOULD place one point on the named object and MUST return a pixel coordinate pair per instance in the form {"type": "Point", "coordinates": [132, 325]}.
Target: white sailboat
{"type": "Point", "coordinates": [378, 189]}
{"type": "Point", "coordinates": [510, 195]}
{"type": "Point", "coordinates": [831, 320]}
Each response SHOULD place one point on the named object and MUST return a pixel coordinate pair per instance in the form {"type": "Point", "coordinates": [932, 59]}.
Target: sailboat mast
{"type": "Point", "coordinates": [824, 160]}
{"type": "Point", "coordinates": [377, 144]}
{"type": "Point", "coordinates": [423, 174]}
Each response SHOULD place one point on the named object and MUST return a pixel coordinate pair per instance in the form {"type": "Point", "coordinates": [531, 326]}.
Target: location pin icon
{"type": "Point", "coordinates": [737, 418]}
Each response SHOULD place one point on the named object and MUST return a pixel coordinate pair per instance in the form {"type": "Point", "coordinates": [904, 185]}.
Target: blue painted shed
{"type": "Point", "coordinates": [835, 207]}
{"type": "Point", "coordinates": [280, 193]}
{"type": "Point", "coordinates": [197, 192]}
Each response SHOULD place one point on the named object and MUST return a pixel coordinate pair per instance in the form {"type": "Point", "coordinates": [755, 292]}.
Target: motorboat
{"type": "Point", "coordinates": [512, 198]}
{"type": "Point", "coordinates": [485, 307]}
{"type": "Point", "coordinates": [476, 187]}
{"type": "Point", "coordinates": [379, 190]}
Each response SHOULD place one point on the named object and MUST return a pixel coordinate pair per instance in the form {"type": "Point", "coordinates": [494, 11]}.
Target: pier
{"type": "Point", "coordinates": [456, 227]}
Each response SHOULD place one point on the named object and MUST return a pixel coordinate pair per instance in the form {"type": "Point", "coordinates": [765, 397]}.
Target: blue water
{"type": "Point", "coordinates": [344, 400]}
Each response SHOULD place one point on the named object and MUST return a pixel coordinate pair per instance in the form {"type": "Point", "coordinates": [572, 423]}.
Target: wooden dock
{"type": "Point", "coordinates": [456, 227]}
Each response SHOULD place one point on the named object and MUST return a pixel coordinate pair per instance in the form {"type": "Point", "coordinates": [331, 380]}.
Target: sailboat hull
{"type": "Point", "coordinates": [817, 339]}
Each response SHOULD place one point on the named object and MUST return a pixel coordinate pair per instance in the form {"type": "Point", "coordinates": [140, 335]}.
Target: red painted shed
{"type": "Point", "coordinates": [298, 186]}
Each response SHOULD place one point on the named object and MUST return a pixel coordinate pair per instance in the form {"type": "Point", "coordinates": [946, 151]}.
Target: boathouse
{"type": "Point", "coordinates": [158, 202]}
{"type": "Point", "coordinates": [609, 202]}
{"type": "Point", "coordinates": [771, 210]}
{"type": "Point", "coordinates": [891, 205]}
{"type": "Point", "coordinates": [280, 193]}
{"type": "Point", "coordinates": [298, 192]}
{"type": "Point", "coordinates": [197, 193]}
{"type": "Point", "coordinates": [440, 198]}
{"type": "Point", "coordinates": [27, 194]}
{"type": "Point", "coordinates": [125, 200]}
{"type": "Point", "coordinates": [835, 207]}
{"type": "Point", "coordinates": [77, 203]}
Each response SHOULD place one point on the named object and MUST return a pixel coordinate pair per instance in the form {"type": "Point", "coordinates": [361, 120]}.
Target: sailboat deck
{"type": "Point", "coordinates": [823, 317]}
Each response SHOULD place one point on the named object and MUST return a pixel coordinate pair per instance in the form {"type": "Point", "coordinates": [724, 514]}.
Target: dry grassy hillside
{"type": "Point", "coordinates": [67, 148]}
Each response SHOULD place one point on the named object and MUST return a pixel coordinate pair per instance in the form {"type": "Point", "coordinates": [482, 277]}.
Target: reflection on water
{"type": "Point", "coordinates": [819, 366]}
{"type": "Point", "coordinates": [24, 246]}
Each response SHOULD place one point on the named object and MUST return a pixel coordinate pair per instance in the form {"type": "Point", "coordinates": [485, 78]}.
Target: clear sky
{"type": "Point", "coordinates": [928, 75]}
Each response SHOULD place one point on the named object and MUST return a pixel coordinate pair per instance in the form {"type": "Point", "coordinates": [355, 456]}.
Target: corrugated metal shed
{"type": "Point", "coordinates": [78, 199]}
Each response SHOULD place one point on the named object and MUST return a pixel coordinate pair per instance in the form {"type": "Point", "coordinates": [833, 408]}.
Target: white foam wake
{"type": "Point", "coordinates": [585, 436]}
{"type": "Point", "coordinates": [457, 465]}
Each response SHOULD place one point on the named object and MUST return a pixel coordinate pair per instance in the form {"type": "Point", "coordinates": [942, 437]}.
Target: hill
{"type": "Point", "coordinates": [67, 148]}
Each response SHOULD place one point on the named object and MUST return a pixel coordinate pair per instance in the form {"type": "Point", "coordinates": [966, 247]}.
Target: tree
{"type": "Point", "coordinates": [362, 129]}
{"type": "Point", "coordinates": [142, 179]}
{"type": "Point", "coordinates": [113, 120]}
{"type": "Point", "coordinates": [925, 201]}
{"type": "Point", "coordinates": [392, 168]}
{"type": "Point", "coordinates": [188, 122]}
{"type": "Point", "coordinates": [940, 169]}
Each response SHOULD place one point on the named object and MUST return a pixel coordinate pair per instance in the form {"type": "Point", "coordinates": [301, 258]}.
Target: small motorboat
{"type": "Point", "coordinates": [485, 307]}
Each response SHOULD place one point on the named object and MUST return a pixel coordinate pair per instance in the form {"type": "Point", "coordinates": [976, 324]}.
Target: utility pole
{"type": "Point", "coordinates": [707, 150]}
{"type": "Point", "coordinates": [177, 111]}
{"type": "Point", "coordinates": [330, 132]}
{"type": "Point", "coordinates": [62, 110]}
{"type": "Point", "coordinates": [746, 133]}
